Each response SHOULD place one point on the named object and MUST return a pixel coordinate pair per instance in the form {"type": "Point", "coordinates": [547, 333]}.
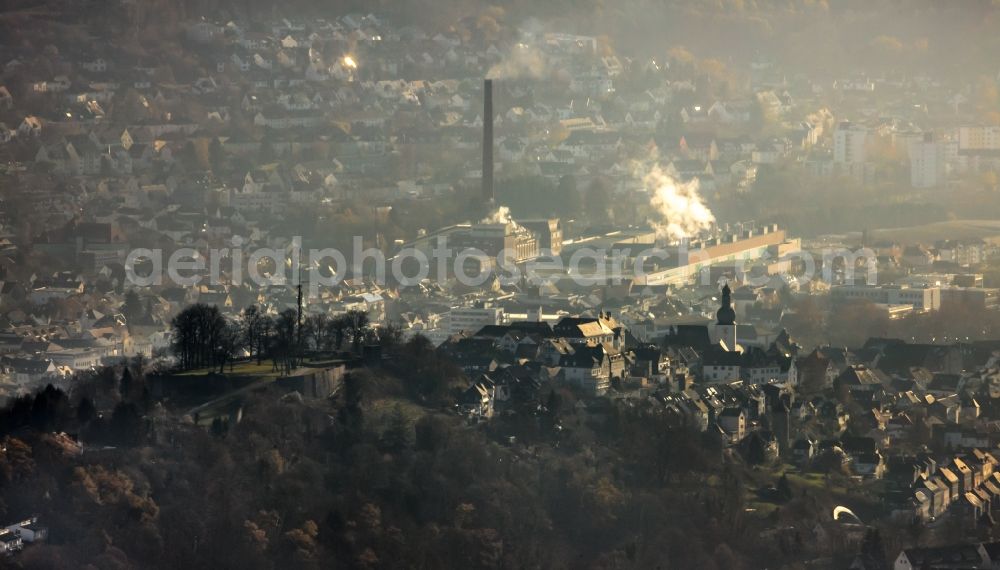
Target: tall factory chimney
{"type": "Point", "coordinates": [488, 140]}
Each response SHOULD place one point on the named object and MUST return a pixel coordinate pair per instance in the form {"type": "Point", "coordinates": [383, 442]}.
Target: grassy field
{"type": "Point", "coordinates": [379, 412]}
{"type": "Point", "coordinates": [810, 480]}
{"type": "Point", "coordinates": [247, 369]}
{"type": "Point", "coordinates": [246, 377]}
{"type": "Point", "coordinates": [242, 379]}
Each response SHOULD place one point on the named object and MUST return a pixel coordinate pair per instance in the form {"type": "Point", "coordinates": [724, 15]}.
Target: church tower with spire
{"type": "Point", "coordinates": [725, 323]}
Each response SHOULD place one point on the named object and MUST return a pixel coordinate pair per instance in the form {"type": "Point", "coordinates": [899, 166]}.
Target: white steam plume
{"type": "Point", "coordinates": [499, 216]}
{"type": "Point", "coordinates": [677, 208]}
{"type": "Point", "coordinates": [523, 61]}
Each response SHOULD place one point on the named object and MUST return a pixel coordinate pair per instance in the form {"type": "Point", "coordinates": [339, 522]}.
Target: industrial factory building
{"type": "Point", "coordinates": [727, 245]}
{"type": "Point", "coordinates": [511, 239]}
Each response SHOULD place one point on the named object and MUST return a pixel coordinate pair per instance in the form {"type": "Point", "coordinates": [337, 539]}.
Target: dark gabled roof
{"type": "Point", "coordinates": [683, 354]}
{"type": "Point", "coordinates": [867, 355]}
{"type": "Point", "coordinates": [77, 342]}
{"type": "Point", "coordinates": [475, 393]}
{"type": "Point", "coordinates": [945, 382]}
{"type": "Point", "coordinates": [528, 351]}
{"type": "Point", "coordinates": [881, 343]}
{"type": "Point", "coordinates": [814, 360]}
{"type": "Point", "coordinates": [522, 381]}
{"type": "Point", "coordinates": [83, 144]}
{"type": "Point", "coordinates": [756, 357]}
{"type": "Point", "coordinates": [904, 385]}
{"type": "Point", "coordinates": [857, 375]}
{"type": "Point", "coordinates": [716, 356]}
{"type": "Point", "coordinates": [474, 361]}
{"type": "Point", "coordinates": [803, 444]}
{"type": "Point", "coordinates": [586, 356]}
{"type": "Point", "coordinates": [29, 365]}
{"type": "Point", "coordinates": [867, 398]}
{"type": "Point", "coordinates": [953, 556]}
{"type": "Point", "coordinates": [467, 347]}
{"type": "Point", "coordinates": [852, 444]}
{"type": "Point", "coordinates": [648, 352]}
{"type": "Point", "coordinates": [744, 294]}
{"type": "Point", "coordinates": [731, 412]}
{"type": "Point", "coordinates": [694, 336]}
{"type": "Point", "coordinates": [899, 358]}
{"type": "Point", "coordinates": [992, 550]}
{"type": "Point", "coordinates": [532, 327]}
{"type": "Point", "coordinates": [696, 139]}
{"type": "Point", "coordinates": [867, 458]}
{"type": "Point", "coordinates": [492, 331]}
{"type": "Point", "coordinates": [839, 356]}
{"type": "Point", "coordinates": [585, 138]}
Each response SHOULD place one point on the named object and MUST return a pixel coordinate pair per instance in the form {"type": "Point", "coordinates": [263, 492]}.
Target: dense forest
{"type": "Point", "coordinates": [381, 477]}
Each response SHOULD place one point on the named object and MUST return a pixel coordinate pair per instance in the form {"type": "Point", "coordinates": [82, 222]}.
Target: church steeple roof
{"type": "Point", "coordinates": [726, 315]}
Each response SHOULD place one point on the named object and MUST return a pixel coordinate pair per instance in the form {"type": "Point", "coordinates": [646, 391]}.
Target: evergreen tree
{"type": "Point", "coordinates": [396, 436]}
{"type": "Point", "coordinates": [784, 489]}
{"type": "Point", "coordinates": [873, 551]}
{"type": "Point", "coordinates": [351, 416]}
{"type": "Point", "coordinates": [132, 308]}
{"type": "Point", "coordinates": [125, 385]}
{"type": "Point", "coordinates": [85, 411]}
{"type": "Point", "coordinates": [126, 424]}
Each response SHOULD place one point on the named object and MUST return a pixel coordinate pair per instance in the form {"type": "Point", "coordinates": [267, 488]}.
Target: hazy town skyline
{"type": "Point", "coordinates": [457, 284]}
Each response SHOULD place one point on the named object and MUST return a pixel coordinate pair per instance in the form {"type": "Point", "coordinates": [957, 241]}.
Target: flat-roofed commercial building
{"type": "Point", "coordinates": [921, 298]}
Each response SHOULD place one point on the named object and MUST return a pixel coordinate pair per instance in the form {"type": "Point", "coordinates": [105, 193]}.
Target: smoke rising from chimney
{"type": "Point", "coordinates": [500, 216]}
{"type": "Point", "coordinates": [677, 208]}
{"type": "Point", "coordinates": [523, 61]}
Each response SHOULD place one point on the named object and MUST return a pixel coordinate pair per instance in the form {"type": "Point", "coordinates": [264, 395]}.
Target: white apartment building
{"type": "Point", "coordinates": [927, 164]}
{"type": "Point", "coordinates": [849, 142]}
{"type": "Point", "coordinates": [979, 138]}
{"type": "Point", "coordinates": [471, 319]}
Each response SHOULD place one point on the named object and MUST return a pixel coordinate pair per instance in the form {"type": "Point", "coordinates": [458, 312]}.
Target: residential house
{"type": "Point", "coordinates": [10, 542]}
{"type": "Point", "coordinates": [28, 372]}
{"type": "Point", "coordinates": [943, 558]}
{"type": "Point", "coordinates": [593, 367]}
{"type": "Point", "coordinates": [733, 423]}
{"type": "Point", "coordinates": [803, 450]}
{"type": "Point", "coordinates": [30, 126]}
{"type": "Point", "coordinates": [478, 400]}
{"type": "Point", "coordinates": [29, 530]}
{"type": "Point", "coordinates": [589, 330]}
{"type": "Point", "coordinates": [698, 146]}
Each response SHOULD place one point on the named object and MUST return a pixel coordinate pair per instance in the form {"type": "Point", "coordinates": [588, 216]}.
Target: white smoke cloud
{"type": "Point", "coordinates": [499, 216]}
{"type": "Point", "coordinates": [523, 61]}
{"type": "Point", "coordinates": [677, 208]}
